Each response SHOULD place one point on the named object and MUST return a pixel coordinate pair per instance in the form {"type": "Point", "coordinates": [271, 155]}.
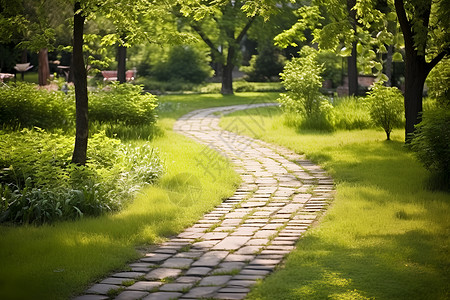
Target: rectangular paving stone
{"type": "Point", "coordinates": [265, 262]}
{"type": "Point", "coordinates": [189, 254]}
{"type": "Point", "coordinates": [245, 231]}
{"type": "Point", "coordinates": [247, 271]}
{"type": "Point", "coordinates": [249, 250]}
{"type": "Point", "coordinates": [230, 296]}
{"type": "Point", "coordinates": [130, 295]}
{"type": "Point", "coordinates": [248, 277]}
{"type": "Point", "coordinates": [238, 258]}
{"type": "Point", "coordinates": [145, 286]}
{"type": "Point", "coordinates": [231, 243]}
{"type": "Point", "coordinates": [215, 280]}
{"type": "Point", "coordinates": [162, 273]}
{"type": "Point", "coordinates": [163, 296]}
{"type": "Point", "coordinates": [205, 244]}
{"type": "Point", "coordinates": [243, 283]}
{"type": "Point", "coordinates": [257, 242]}
{"type": "Point", "coordinates": [214, 235]}
{"type": "Point", "coordinates": [199, 271]}
{"type": "Point", "coordinates": [101, 288]}
{"type": "Point", "coordinates": [188, 279]}
{"type": "Point", "coordinates": [155, 257]}
{"type": "Point", "coordinates": [175, 287]}
{"type": "Point", "coordinates": [234, 290]}
{"type": "Point", "coordinates": [265, 233]}
{"type": "Point", "coordinates": [210, 259]}
{"type": "Point", "coordinates": [201, 292]}
{"type": "Point", "coordinates": [228, 267]}
{"type": "Point", "coordinates": [116, 281]}
{"type": "Point", "coordinates": [178, 263]}
{"type": "Point", "coordinates": [91, 297]}
{"type": "Point", "coordinates": [128, 274]}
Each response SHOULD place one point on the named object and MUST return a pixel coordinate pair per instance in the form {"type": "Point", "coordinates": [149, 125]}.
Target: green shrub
{"type": "Point", "coordinates": [23, 105]}
{"type": "Point", "coordinates": [38, 183]}
{"type": "Point", "coordinates": [184, 64]}
{"type": "Point", "coordinates": [266, 66]}
{"type": "Point", "coordinates": [386, 107]}
{"type": "Point", "coordinates": [301, 78]}
{"type": "Point", "coordinates": [122, 104]}
{"type": "Point", "coordinates": [431, 144]}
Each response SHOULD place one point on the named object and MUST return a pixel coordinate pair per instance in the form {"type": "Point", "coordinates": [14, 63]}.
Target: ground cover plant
{"type": "Point", "coordinates": [60, 260]}
{"type": "Point", "coordinates": [385, 236]}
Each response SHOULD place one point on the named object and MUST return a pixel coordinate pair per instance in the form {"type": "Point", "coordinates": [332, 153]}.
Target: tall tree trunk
{"type": "Point", "coordinates": [81, 94]}
{"type": "Point", "coordinates": [352, 69]}
{"type": "Point", "coordinates": [227, 79]}
{"type": "Point", "coordinates": [43, 68]}
{"type": "Point", "coordinates": [415, 75]}
{"type": "Point", "coordinates": [121, 64]}
{"type": "Point", "coordinates": [416, 67]}
{"type": "Point", "coordinates": [227, 72]}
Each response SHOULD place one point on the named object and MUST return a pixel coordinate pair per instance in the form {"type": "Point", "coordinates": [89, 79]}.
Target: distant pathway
{"type": "Point", "coordinates": [241, 240]}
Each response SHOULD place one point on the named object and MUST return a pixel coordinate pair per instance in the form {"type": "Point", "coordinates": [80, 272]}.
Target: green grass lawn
{"type": "Point", "coordinates": [384, 236]}
{"type": "Point", "coordinates": [60, 260]}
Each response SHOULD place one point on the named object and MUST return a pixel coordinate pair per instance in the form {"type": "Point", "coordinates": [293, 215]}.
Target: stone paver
{"type": "Point", "coordinates": [244, 238]}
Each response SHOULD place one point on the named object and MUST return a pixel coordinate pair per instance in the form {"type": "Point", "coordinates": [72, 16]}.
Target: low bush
{"type": "Point", "coordinates": [122, 104]}
{"type": "Point", "coordinates": [38, 184]}
{"type": "Point", "coordinates": [431, 144]}
{"type": "Point", "coordinates": [23, 105]}
{"type": "Point", "coordinates": [386, 107]}
{"type": "Point", "coordinates": [185, 64]}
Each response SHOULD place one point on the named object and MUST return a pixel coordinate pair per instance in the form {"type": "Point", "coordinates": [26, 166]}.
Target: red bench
{"type": "Point", "coordinates": [112, 75]}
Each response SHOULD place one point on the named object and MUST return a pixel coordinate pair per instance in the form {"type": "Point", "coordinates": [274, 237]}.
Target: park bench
{"type": "Point", "coordinates": [112, 75]}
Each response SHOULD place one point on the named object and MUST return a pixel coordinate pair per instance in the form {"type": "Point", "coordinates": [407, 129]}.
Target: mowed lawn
{"type": "Point", "coordinates": [384, 236]}
{"type": "Point", "coordinates": [60, 260]}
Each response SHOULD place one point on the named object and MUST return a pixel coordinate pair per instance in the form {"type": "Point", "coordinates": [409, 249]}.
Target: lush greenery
{"type": "Point", "coordinates": [38, 184]}
{"type": "Point", "coordinates": [382, 222]}
{"type": "Point", "coordinates": [61, 260]}
{"type": "Point", "coordinates": [386, 107]}
{"type": "Point", "coordinates": [431, 143]}
{"type": "Point", "coordinates": [122, 104]}
{"type": "Point", "coordinates": [22, 105]}
{"type": "Point", "coordinates": [302, 79]}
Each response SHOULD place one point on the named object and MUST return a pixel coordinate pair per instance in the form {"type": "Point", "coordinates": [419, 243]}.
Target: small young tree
{"type": "Point", "coordinates": [302, 80]}
{"type": "Point", "coordinates": [386, 107]}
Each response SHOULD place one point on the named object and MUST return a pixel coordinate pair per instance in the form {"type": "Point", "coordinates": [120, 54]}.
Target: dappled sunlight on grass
{"type": "Point", "coordinates": [383, 237]}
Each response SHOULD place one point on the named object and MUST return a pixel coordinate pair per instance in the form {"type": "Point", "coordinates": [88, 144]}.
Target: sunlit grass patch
{"type": "Point", "coordinates": [385, 236]}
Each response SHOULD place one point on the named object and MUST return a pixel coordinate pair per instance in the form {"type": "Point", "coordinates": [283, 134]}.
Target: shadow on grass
{"type": "Point", "coordinates": [407, 266]}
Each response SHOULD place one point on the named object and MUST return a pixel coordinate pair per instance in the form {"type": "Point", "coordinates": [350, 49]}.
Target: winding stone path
{"type": "Point", "coordinates": [241, 240]}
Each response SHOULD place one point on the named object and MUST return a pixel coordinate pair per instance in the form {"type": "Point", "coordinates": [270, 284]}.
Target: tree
{"type": "Point", "coordinates": [222, 25]}
{"type": "Point", "coordinates": [425, 26]}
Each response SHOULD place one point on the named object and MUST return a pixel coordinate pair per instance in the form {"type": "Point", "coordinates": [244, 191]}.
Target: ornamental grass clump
{"type": "Point", "coordinates": [39, 184]}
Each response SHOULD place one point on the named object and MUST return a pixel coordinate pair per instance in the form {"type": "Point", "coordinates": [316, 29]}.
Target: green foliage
{"type": "Point", "coordinates": [438, 82]}
{"type": "Point", "coordinates": [22, 105]}
{"type": "Point", "coordinates": [431, 143]}
{"type": "Point", "coordinates": [386, 107]}
{"type": "Point", "coordinates": [38, 184]}
{"type": "Point", "coordinates": [351, 113]}
{"type": "Point", "coordinates": [184, 64]}
{"type": "Point", "coordinates": [301, 78]}
{"type": "Point", "coordinates": [266, 66]}
{"type": "Point", "coordinates": [122, 104]}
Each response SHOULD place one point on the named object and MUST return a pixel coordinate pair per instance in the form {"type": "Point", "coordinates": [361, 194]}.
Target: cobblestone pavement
{"type": "Point", "coordinates": [241, 240]}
